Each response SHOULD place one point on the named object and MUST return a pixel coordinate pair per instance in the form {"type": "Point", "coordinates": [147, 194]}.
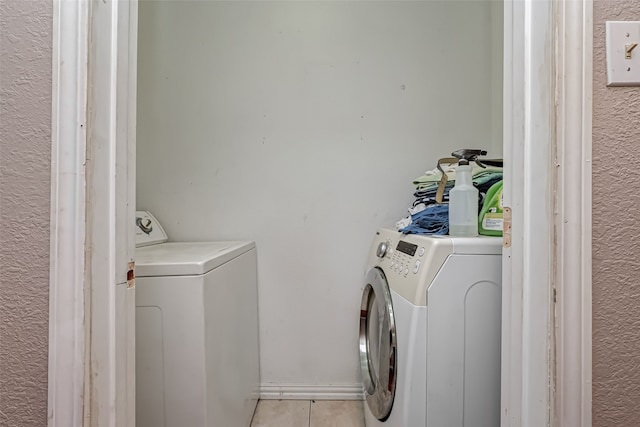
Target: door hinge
{"type": "Point", "coordinates": [506, 227]}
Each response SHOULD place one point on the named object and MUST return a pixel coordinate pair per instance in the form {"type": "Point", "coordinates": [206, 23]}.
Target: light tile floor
{"type": "Point", "coordinates": [305, 413]}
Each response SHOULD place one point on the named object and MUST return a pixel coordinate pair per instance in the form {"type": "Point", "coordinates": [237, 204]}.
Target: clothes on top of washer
{"type": "Point", "coordinates": [428, 197]}
{"type": "Point", "coordinates": [479, 178]}
{"type": "Point", "coordinates": [425, 199]}
{"type": "Point", "coordinates": [482, 183]}
{"type": "Point", "coordinates": [432, 219]}
{"type": "Point", "coordinates": [433, 176]}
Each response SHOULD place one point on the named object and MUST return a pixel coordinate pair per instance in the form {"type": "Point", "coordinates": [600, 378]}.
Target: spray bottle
{"type": "Point", "coordinates": [463, 197]}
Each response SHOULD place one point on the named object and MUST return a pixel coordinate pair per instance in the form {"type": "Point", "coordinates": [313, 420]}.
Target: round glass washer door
{"type": "Point", "coordinates": [378, 346]}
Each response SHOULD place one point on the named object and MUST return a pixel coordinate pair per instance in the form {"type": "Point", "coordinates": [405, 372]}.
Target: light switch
{"type": "Point", "coordinates": [623, 53]}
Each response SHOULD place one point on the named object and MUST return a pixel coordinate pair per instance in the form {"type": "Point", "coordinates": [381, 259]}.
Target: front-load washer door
{"type": "Point", "coordinates": [378, 346]}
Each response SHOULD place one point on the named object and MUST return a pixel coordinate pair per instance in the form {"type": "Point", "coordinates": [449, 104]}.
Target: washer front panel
{"type": "Point", "coordinates": [378, 344]}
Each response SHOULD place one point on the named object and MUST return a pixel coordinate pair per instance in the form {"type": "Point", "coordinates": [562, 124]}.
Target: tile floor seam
{"type": "Point", "coordinates": [282, 413]}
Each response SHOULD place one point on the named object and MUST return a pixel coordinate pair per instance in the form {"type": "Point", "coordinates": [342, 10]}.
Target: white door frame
{"type": "Point", "coordinates": [68, 204]}
{"type": "Point", "coordinates": [548, 64]}
{"type": "Point", "coordinates": [527, 375]}
{"type": "Point", "coordinates": [546, 372]}
{"type": "Point", "coordinates": [92, 293]}
{"type": "Point", "coordinates": [573, 262]}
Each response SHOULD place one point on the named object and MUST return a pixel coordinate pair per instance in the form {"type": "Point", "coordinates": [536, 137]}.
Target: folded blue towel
{"type": "Point", "coordinates": [433, 220]}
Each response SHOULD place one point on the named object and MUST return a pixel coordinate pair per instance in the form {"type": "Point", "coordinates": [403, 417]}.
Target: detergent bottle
{"type": "Point", "coordinates": [490, 222]}
{"type": "Point", "coordinates": [463, 203]}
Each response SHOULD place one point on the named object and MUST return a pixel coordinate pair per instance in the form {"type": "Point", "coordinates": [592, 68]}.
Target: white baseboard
{"type": "Point", "coordinates": [271, 391]}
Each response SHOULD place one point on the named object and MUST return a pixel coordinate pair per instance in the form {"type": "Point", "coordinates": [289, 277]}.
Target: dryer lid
{"type": "Point", "coordinates": [186, 258]}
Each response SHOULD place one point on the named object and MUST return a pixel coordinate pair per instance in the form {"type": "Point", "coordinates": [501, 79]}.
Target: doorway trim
{"type": "Point", "coordinates": [527, 274]}
{"type": "Point", "coordinates": [573, 259]}
{"type": "Point", "coordinates": [68, 204]}
{"type": "Point", "coordinates": [546, 373]}
{"type": "Point", "coordinates": [92, 288]}
{"type": "Point", "coordinates": [529, 271]}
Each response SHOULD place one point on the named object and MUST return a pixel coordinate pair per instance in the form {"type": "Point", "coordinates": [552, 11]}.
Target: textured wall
{"type": "Point", "coordinates": [25, 144]}
{"type": "Point", "coordinates": [616, 235]}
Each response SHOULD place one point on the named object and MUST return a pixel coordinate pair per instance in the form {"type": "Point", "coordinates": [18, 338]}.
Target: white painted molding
{"type": "Point", "coordinates": [110, 395]}
{"type": "Point", "coordinates": [67, 256]}
{"type": "Point", "coordinates": [573, 270]}
{"type": "Point", "coordinates": [309, 392]}
{"type": "Point", "coordinates": [527, 315]}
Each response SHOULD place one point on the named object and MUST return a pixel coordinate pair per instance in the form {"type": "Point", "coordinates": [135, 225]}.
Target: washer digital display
{"type": "Point", "coordinates": [407, 248]}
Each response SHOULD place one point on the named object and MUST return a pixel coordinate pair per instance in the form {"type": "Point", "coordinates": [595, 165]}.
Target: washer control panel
{"type": "Point", "coordinates": [404, 257]}
{"type": "Point", "coordinates": [148, 230]}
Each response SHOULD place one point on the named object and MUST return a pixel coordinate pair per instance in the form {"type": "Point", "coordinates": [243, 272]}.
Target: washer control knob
{"type": "Point", "coordinates": [144, 224]}
{"type": "Point", "coordinates": [382, 249]}
{"type": "Point", "coordinates": [416, 267]}
{"type": "Point", "coordinates": [421, 251]}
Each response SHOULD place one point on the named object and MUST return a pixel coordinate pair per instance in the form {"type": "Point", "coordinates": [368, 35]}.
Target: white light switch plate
{"type": "Point", "coordinates": [621, 36]}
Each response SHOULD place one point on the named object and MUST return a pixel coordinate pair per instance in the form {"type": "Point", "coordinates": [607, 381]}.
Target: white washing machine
{"type": "Point", "coordinates": [197, 361]}
{"type": "Point", "coordinates": [430, 325]}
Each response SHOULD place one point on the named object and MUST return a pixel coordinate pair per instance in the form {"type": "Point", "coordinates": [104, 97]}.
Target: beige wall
{"type": "Point", "coordinates": [616, 235]}
{"type": "Point", "coordinates": [25, 136]}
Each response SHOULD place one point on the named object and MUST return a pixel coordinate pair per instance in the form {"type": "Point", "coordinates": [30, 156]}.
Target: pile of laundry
{"type": "Point", "coordinates": [426, 214]}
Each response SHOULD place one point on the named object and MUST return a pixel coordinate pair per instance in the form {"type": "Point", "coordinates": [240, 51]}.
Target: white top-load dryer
{"type": "Point", "coordinates": [197, 361]}
{"type": "Point", "coordinates": [430, 329]}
